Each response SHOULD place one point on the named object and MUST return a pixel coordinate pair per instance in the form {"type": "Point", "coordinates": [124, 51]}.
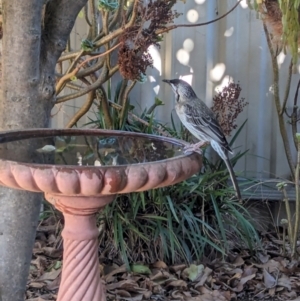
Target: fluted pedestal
{"type": "Point", "coordinates": [80, 274]}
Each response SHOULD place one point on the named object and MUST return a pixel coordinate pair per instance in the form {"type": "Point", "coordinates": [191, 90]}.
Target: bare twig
{"type": "Point", "coordinates": [93, 28]}
{"type": "Point", "coordinates": [113, 35]}
{"type": "Point", "coordinates": [281, 120]}
{"type": "Point", "coordinates": [198, 24]}
{"type": "Point", "coordinates": [122, 91]}
{"type": "Point", "coordinates": [125, 103]}
{"type": "Point", "coordinates": [101, 40]}
{"type": "Point", "coordinates": [288, 215]}
{"type": "Point", "coordinates": [294, 116]}
{"type": "Point", "coordinates": [68, 56]}
{"type": "Point", "coordinates": [86, 15]}
{"type": "Point", "coordinates": [68, 76]}
{"type": "Point", "coordinates": [61, 84]}
{"type": "Point", "coordinates": [287, 88]}
{"type": "Point", "coordinates": [85, 90]}
{"type": "Point", "coordinates": [105, 22]}
{"type": "Point", "coordinates": [102, 98]}
{"type": "Point", "coordinates": [106, 31]}
{"type": "Point", "coordinates": [83, 110]}
{"type": "Point", "coordinates": [135, 117]}
{"type": "Point", "coordinates": [72, 54]}
{"type": "Point", "coordinates": [73, 86]}
{"type": "Point", "coordinates": [297, 216]}
{"type": "Point", "coordinates": [117, 15]}
{"type": "Point", "coordinates": [92, 69]}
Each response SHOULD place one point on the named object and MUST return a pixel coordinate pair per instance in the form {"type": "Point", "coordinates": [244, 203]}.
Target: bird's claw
{"type": "Point", "coordinates": [193, 148]}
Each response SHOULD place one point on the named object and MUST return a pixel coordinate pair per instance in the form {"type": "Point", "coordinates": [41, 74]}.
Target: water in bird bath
{"type": "Point", "coordinates": [103, 150]}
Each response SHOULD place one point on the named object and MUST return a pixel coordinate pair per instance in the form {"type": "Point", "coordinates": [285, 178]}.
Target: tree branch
{"type": "Point", "coordinates": [287, 88]}
{"type": "Point", "coordinates": [59, 19]}
{"type": "Point", "coordinates": [198, 24]}
{"type": "Point", "coordinates": [100, 41]}
{"type": "Point", "coordinates": [125, 103]}
{"type": "Point", "coordinates": [93, 28]}
{"type": "Point", "coordinates": [123, 87]}
{"type": "Point", "coordinates": [297, 216]}
{"type": "Point", "coordinates": [83, 110]}
{"type": "Point", "coordinates": [281, 121]}
{"type": "Point", "coordinates": [117, 15]}
{"type": "Point", "coordinates": [68, 56]}
{"type": "Point", "coordinates": [294, 117]}
{"type": "Point", "coordinates": [92, 69]}
{"type": "Point", "coordinates": [63, 80]}
{"type": "Point", "coordinates": [68, 76]}
{"type": "Point", "coordinates": [119, 31]}
{"type": "Point", "coordinates": [103, 104]}
{"type": "Point", "coordinates": [93, 86]}
{"type": "Point", "coordinates": [86, 16]}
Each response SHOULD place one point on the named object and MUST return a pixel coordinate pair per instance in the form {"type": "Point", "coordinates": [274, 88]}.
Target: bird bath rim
{"type": "Point", "coordinates": [92, 181]}
{"type": "Point", "coordinates": [17, 135]}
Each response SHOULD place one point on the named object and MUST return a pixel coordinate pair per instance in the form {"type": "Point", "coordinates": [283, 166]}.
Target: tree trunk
{"type": "Point", "coordinates": [34, 36]}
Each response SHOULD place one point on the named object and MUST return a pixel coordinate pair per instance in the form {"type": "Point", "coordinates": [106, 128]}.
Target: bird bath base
{"type": "Point", "coordinates": [108, 163]}
{"type": "Point", "coordinates": [80, 274]}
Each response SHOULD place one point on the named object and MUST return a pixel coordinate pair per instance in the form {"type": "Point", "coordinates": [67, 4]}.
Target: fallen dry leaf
{"type": "Point", "coordinates": [263, 257]}
{"type": "Point", "coordinates": [285, 282]}
{"type": "Point", "coordinates": [205, 275]}
{"type": "Point", "coordinates": [53, 274]}
{"type": "Point", "coordinates": [269, 280]}
{"type": "Point", "coordinates": [242, 282]}
{"type": "Point", "coordinates": [37, 284]}
{"type": "Point", "coordinates": [177, 283]}
{"type": "Point", "coordinates": [159, 265]}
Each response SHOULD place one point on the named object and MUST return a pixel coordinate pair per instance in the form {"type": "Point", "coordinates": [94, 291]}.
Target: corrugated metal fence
{"type": "Point", "coordinates": [208, 56]}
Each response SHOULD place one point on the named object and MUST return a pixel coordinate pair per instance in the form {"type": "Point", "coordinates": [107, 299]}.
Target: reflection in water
{"type": "Point", "coordinates": [95, 150]}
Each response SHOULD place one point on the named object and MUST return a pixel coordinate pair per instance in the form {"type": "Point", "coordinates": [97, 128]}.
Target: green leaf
{"type": "Point", "coordinates": [87, 45]}
{"type": "Point", "coordinates": [57, 265]}
{"type": "Point", "coordinates": [140, 269]}
{"type": "Point", "coordinates": [108, 5]}
{"type": "Point", "coordinates": [81, 14]}
{"type": "Point", "coordinates": [171, 206]}
{"type": "Point", "coordinates": [46, 149]}
{"type": "Point", "coordinates": [219, 220]}
{"type": "Point", "coordinates": [193, 271]}
{"type": "Point", "coordinates": [159, 102]}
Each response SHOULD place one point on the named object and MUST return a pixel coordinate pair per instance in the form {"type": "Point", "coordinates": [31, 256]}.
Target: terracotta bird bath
{"type": "Point", "coordinates": [81, 171]}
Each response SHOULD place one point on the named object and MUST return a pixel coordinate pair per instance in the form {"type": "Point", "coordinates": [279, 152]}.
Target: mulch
{"type": "Point", "coordinates": [268, 275]}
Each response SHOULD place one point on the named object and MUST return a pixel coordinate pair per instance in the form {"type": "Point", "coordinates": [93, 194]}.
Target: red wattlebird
{"type": "Point", "coordinates": [201, 123]}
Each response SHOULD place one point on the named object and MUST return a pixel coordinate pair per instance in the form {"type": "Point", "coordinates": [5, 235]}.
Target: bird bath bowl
{"type": "Point", "coordinates": [81, 171]}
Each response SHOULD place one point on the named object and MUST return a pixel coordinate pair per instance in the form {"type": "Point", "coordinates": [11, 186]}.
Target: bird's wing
{"type": "Point", "coordinates": [202, 119]}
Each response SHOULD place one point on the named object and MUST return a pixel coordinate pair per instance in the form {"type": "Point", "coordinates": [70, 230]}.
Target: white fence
{"type": "Point", "coordinates": [207, 57]}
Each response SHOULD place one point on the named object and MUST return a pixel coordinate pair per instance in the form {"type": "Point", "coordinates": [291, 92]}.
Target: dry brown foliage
{"type": "Point", "coordinates": [272, 16]}
{"type": "Point", "coordinates": [133, 56]}
{"type": "Point", "coordinates": [227, 105]}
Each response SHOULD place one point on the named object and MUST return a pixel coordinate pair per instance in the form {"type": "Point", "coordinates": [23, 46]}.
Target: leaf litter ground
{"type": "Point", "coordinates": [269, 275]}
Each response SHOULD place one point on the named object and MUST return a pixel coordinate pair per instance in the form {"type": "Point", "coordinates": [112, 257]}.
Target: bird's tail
{"type": "Point", "coordinates": [233, 178]}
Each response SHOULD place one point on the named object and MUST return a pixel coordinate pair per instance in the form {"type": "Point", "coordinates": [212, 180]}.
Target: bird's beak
{"type": "Point", "coordinates": [170, 83]}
